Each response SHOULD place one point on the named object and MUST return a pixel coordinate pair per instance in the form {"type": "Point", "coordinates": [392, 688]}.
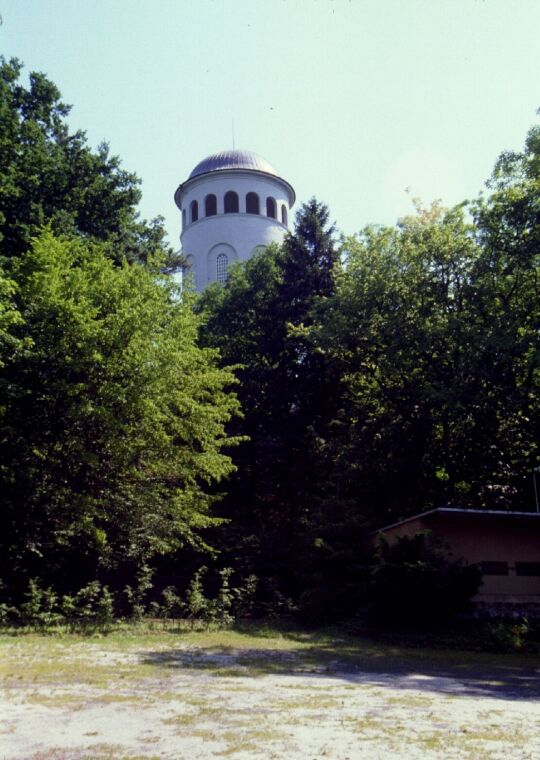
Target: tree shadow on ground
{"type": "Point", "coordinates": [465, 674]}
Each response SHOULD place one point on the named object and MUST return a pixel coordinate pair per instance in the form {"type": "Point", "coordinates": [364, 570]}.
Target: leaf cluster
{"type": "Point", "coordinates": [112, 417]}
{"type": "Point", "coordinates": [51, 176]}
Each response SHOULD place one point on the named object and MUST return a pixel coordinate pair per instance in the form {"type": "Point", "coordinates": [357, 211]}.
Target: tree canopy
{"type": "Point", "coordinates": [330, 387]}
{"type": "Point", "coordinates": [49, 175]}
{"type": "Point", "coordinates": [396, 372]}
{"type": "Point", "coordinates": [112, 418]}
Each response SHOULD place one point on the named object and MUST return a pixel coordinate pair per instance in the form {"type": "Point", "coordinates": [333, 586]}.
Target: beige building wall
{"type": "Point", "coordinates": [507, 545]}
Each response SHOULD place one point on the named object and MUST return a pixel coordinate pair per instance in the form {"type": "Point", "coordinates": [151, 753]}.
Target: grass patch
{"type": "Point", "coordinates": [130, 654]}
{"type": "Point", "coordinates": [253, 741]}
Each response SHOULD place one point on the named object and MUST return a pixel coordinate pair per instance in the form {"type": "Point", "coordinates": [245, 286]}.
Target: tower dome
{"type": "Point", "coordinates": [233, 204]}
{"type": "Point", "coordinates": [233, 159]}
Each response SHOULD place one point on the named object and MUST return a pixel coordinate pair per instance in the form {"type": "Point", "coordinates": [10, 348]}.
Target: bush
{"type": "Point", "coordinates": [413, 582]}
{"type": "Point", "coordinates": [508, 636]}
{"type": "Point", "coordinates": [135, 595]}
{"type": "Point", "coordinates": [92, 605]}
{"type": "Point", "coordinates": [40, 607]}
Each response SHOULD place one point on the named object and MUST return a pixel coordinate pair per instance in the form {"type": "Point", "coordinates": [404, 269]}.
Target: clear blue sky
{"type": "Point", "coordinates": [352, 101]}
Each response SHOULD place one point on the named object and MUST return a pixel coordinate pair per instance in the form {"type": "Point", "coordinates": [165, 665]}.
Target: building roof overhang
{"type": "Point", "coordinates": [468, 514]}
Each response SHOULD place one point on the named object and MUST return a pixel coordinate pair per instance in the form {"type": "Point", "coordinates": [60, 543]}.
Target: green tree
{"type": "Point", "coordinates": [398, 332]}
{"type": "Point", "coordinates": [507, 291]}
{"type": "Point", "coordinates": [48, 174]}
{"type": "Point", "coordinates": [112, 419]}
{"type": "Point", "coordinates": [258, 322]}
{"type": "Point", "coordinates": [433, 330]}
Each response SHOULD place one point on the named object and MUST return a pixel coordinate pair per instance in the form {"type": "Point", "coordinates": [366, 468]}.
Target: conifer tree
{"type": "Point", "coordinates": [258, 320]}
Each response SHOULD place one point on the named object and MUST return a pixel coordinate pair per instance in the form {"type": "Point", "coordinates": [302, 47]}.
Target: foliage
{"type": "Point", "coordinates": [135, 595]}
{"type": "Point", "coordinates": [91, 605]}
{"type": "Point", "coordinates": [112, 419]}
{"type": "Point", "coordinates": [40, 607]}
{"type": "Point", "coordinates": [413, 582]}
{"type": "Point", "coordinates": [508, 636]}
{"type": "Point", "coordinates": [210, 610]}
{"type": "Point", "coordinates": [391, 373]}
{"type": "Point", "coordinates": [258, 321]}
{"type": "Point", "coordinates": [404, 379]}
{"type": "Point", "coordinates": [438, 374]}
{"type": "Point", "coordinates": [50, 175]}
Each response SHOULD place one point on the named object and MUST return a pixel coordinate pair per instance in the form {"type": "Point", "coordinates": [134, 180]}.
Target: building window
{"type": "Point", "coordinates": [252, 204]}
{"type": "Point", "coordinates": [231, 202]}
{"type": "Point", "coordinates": [271, 208]}
{"type": "Point", "coordinates": [210, 205]}
{"type": "Point", "coordinates": [284, 214]}
{"type": "Point", "coordinates": [183, 218]}
{"type": "Point", "coordinates": [528, 568]}
{"type": "Point", "coordinates": [494, 568]}
{"type": "Point", "coordinates": [221, 268]}
{"type": "Point", "coordinates": [194, 211]}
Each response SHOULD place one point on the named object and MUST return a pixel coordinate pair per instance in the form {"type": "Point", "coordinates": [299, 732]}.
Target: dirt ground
{"type": "Point", "coordinates": [226, 695]}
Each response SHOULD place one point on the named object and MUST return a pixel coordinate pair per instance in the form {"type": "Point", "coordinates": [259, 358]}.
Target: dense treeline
{"type": "Point", "coordinates": [112, 417]}
{"type": "Point", "coordinates": [331, 386]}
{"type": "Point", "coordinates": [383, 375]}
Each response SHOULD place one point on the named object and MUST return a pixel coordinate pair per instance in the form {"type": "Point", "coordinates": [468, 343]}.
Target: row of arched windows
{"type": "Point", "coordinates": [231, 205]}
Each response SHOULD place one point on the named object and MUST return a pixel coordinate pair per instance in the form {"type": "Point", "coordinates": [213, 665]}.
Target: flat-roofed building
{"type": "Point", "coordinates": [506, 546]}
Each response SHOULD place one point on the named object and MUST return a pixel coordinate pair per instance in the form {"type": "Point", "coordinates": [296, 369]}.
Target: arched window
{"type": "Point", "coordinates": [210, 205]}
{"type": "Point", "coordinates": [183, 218]}
{"type": "Point", "coordinates": [221, 268]}
{"type": "Point", "coordinates": [231, 202]}
{"type": "Point", "coordinates": [271, 208]}
{"type": "Point", "coordinates": [284, 214]}
{"type": "Point", "coordinates": [252, 203]}
{"type": "Point", "coordinates": [194, 211]}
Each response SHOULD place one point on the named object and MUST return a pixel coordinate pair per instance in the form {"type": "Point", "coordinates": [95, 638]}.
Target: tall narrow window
{"type": "Point", "coordinates": [210, 205]}
{"type": "Point", "coordinates": [252, 203]}
{"type": "Point", "coordinates": [194, 211]}
{"type": "Point", "coordinates": [221, 268]}
{"type": "Point", "coordinates": [183, 218]}
{"type": "Point", "coordinates": [284, 214]}
{"type": "Point", "coordinates": [231, 202]}
{"type": "Point", "coordinates": [271, 208]}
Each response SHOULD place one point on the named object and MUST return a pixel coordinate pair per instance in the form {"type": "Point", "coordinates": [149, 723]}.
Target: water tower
{"type": "Point", "coordinates": [233, 204]}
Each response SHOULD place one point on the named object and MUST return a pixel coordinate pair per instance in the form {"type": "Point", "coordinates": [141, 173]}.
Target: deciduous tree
{"type": "Point", "coordinates": [113, 419]}
{"type": "Point", "coordinates": [50, 175]}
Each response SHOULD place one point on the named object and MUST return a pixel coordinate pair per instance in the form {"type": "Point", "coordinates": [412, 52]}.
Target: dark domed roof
{"type": "Point", "coordinates": [233, 159]}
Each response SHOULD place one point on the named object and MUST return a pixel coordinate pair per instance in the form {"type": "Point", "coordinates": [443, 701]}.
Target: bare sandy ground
{"type": "Point", "coordinates": [187, 702]}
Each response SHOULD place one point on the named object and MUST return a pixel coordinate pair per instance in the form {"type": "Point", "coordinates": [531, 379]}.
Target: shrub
{"type": "Point", "coordinates": [245, 597]}
{"type": "Point", "coordinates": [135, 595]}
{"type": "Point", "coordinates": [171, 605]}
{"type": "Point", "coordinates": [413, 582]}
{"type": "Point", "coordinates": [40, 607]}
{"type": "Point", "coordinates": [508, 636]}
